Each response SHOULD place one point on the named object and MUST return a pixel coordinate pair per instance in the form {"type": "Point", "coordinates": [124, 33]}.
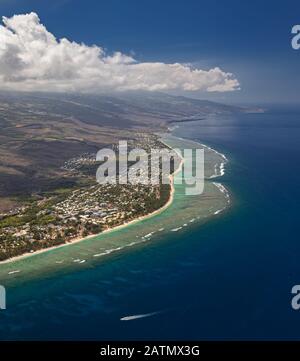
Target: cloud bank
{"type": "Point", "coordinates": [31, 59]}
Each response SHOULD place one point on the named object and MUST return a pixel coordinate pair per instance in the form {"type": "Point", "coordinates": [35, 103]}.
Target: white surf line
{"type": "Point", "coordinates": [218, 172]}
{"type": "Point", "coordinates": [176, 229]}
{"type": "Point", "coordinates": [149, 235]}
{"type": "Point", "coordinates": [197, 143]}
{"type": "Point", "coordinates": [105, 253]}
{"type": "Point", "coordinates": [219, 210]}
{"type": "Point", "coordinates": [215, 151]}
{"type": "Point", "coordinates": [13, 272]}
{"type": "Point", "coordinates": [223, 156]}
{"type": "Point", "coordinates": [222, 164]}
{"type": "Point", "coordinates": [136, 317]}
{"type": "Point", "coordinates": [223, 190]}
{"type": "Point", "coordinates": [98, 254]}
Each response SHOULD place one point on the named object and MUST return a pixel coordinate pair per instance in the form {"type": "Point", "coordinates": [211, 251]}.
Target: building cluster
{"type": "Point", "coordinates": [87, 209]}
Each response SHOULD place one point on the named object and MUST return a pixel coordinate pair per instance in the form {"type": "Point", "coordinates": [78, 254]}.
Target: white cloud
{"type": "Point", "coordinates": [31, 58]}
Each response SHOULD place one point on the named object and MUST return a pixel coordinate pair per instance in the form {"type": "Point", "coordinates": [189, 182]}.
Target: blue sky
{"type": "Point", "coordinates": [248, 38]}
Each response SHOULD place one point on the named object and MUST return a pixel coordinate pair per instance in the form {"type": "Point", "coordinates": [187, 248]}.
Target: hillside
{"type": "Point", "coordinates": [39, 132]}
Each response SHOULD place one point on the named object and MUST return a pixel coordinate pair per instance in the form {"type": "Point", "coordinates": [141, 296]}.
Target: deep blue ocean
{"type": "Point", "coordinates": [228, 279]}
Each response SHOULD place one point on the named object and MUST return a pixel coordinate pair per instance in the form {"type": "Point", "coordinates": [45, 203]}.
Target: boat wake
{"type": "Point", "coordinates": [136, 317]}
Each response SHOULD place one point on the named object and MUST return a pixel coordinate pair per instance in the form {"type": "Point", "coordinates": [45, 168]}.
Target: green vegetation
{"type": "Point", "coordinates": [77, 208]}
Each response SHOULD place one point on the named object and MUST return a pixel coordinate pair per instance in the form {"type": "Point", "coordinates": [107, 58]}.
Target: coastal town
{"type": "Point", "coordinates": [66, 214]}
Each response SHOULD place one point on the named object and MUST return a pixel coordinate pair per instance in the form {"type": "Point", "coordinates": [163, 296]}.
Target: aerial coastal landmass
{"type": "Point", "coordinates": [148, 177]}
{"type": "Point", "coordinates": [51, 218]}
{"type": "Point", "coordinates": [49, 194]}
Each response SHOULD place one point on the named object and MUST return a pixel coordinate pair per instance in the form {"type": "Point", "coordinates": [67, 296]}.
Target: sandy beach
{"type": "Point", "coordinates": [78, 239]}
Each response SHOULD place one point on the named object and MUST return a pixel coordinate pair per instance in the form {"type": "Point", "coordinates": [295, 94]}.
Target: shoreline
{"type": "Point", "coordinates": [223, 156]}
{"type": "Point", "coordinates": [217, 173]}
{"type": "Point", "coordinates": [109, 230]}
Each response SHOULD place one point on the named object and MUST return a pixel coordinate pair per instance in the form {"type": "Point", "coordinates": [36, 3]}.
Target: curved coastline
{"type": "Point", "coordinates": [76, 240]}
{"type": "Point", "coordinates": [140, 224]}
